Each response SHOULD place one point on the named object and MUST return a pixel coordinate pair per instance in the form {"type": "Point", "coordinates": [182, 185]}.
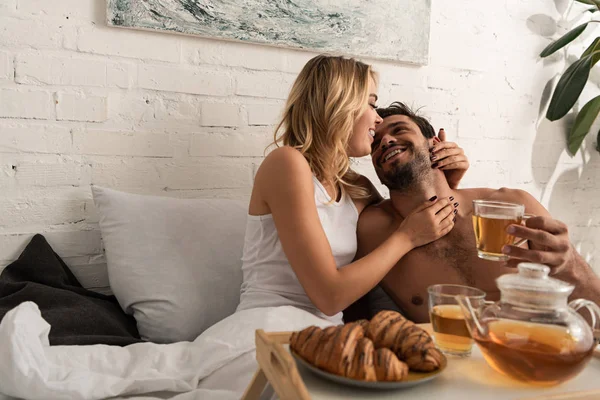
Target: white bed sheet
{"type": "Point", "coordinates": [219, 364]}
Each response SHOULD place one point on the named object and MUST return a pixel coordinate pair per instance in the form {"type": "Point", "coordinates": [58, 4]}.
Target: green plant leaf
{"type": "Point", "coordinates": [583, 123]}
{"type": "Point", "coordinates": [595, 46]}
{"type": "Point", "coordinates": [569, 88]}
{"type": "Point", "coordinates": [590, 2]}
{"type": "Point", "coordinates": [590, 48]}
{"type": "Point", "coordinates": [563, 40]}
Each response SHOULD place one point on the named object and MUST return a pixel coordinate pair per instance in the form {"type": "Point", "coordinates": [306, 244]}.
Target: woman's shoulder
{"type": "Point", "coordinates": [284, 164]}
{"type": "Point", "coordinates": [283, 175]}
{"type": "Point", "coordinates": [285, 155]}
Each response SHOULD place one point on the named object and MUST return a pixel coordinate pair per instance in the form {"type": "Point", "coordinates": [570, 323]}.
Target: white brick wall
{"type": "Point", "coordinates": [272, 85]}
{"type": "Point", "coordinates": [64, 8]}
{"type": "Point", "coordinates": [81, 104]}
{"type": "Point", "coordinates": [184, 79]}
{"type": "Point", "coordinates": [39, 68]}
{"type": "Point", "coordinates": [42, 137]}
{"type": "Point", "coordinates": [25, 103]}
{"type": "Point", "coordinates": [6, 68]}
{"type": "Point", "coordinates": [81, 107]}
{"type": "Point", "coordinates": [107, 143]}
{"type": "Point", "coordinates": [221, 114]}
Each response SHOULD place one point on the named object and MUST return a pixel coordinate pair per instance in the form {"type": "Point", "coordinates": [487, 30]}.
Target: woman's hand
{"type": "Point", "coordinates": [429, 222]}
{"type": "Point", "coordinates": [450, 158]}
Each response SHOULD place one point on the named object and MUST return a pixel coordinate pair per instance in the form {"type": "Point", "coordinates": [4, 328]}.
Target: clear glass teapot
{"type": "Point", "coordinates": [532, 333]}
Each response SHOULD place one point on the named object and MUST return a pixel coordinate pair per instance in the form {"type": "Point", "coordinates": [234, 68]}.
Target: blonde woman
{"type": "Point", "coordinates": [301, 231]}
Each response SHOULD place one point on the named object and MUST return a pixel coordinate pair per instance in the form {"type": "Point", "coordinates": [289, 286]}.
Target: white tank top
{"type": "Point", "coordinates": [269, 280]}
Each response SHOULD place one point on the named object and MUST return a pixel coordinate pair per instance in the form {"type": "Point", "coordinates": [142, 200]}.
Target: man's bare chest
{"type": "Point", "coordinates": [449, 260]}
{"type": "Point", "coordinates": [452, 258]}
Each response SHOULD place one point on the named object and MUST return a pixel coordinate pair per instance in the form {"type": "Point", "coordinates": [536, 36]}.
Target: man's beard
{"type": "Point", "coordinates": [403, 177]}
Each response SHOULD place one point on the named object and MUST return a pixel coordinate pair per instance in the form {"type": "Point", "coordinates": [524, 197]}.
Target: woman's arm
{"type": "Point", "coordinates": [284, 184]}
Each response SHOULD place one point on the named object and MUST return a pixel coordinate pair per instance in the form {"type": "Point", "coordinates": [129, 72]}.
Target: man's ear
{"type": "Point", "coordinates": [442, 135]}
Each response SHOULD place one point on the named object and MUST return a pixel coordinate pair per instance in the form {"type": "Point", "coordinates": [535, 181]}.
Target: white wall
{"type": "Point", "coordinates": [159, 113]}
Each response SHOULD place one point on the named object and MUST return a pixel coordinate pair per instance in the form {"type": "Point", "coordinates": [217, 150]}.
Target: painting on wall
{"type": "Point", "coordinates": [395, 30]}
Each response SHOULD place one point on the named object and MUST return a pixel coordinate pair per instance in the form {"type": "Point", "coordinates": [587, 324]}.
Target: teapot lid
{"type": "Point", "coordinates": [532, 286]}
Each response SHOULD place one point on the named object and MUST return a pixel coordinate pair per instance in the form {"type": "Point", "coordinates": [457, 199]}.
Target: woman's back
{"type": "Point", "coordinates": [269, 280]}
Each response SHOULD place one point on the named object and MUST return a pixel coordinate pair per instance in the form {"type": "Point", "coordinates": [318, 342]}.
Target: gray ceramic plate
{"type": "Point", "coordinates": [412, 379]}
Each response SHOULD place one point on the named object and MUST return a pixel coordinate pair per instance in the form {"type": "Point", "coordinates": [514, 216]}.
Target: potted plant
{"type": "Point", "coordinates": [573, 81]}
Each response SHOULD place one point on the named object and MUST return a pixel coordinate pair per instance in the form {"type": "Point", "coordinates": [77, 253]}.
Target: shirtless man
{"type": "Point", "coordinates": [413, 177]}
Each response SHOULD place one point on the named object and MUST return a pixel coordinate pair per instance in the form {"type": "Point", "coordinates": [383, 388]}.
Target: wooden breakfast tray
{"type": "Point", "coordinates": [466, 378]}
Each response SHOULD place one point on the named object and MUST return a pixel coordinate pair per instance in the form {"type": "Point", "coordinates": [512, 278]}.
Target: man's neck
{"type": "Point", "coordinates": [434, 183]}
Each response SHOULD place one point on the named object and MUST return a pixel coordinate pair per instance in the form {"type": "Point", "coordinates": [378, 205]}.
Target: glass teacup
{"type": "Point", "coordinates": [490, 220]}
{"type": "Point", "coordinates": [450, 332]}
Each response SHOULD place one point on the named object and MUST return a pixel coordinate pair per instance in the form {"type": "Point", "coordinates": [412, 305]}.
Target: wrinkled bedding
{"type": "Point", "coordinates": [219, 364]}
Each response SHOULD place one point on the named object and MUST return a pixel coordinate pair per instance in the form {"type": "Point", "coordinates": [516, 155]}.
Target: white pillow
{"type": "Point", "coordinates": [175, 264]}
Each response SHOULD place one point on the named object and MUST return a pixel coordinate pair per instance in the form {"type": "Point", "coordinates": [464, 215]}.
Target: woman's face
{"type": "Point", "coordinates": [364, 127]}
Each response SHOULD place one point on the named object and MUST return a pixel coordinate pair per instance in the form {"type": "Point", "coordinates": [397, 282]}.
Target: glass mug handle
{"type": "Point", "coordinates": [594, 311]}
{"type": "Point", "coordinates": [521, 241]}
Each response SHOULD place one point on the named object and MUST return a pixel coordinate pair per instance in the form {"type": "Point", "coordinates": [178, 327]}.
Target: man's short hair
{"type": "Point", "coordinates": [399, 108]}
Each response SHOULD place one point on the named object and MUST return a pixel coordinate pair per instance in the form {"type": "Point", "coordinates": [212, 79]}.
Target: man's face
{"type": "Point", "coordinates": [400, 152]}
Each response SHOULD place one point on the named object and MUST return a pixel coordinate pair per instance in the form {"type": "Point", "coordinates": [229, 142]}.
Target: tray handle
{"type": "Point", "coordinates": [279, 367]}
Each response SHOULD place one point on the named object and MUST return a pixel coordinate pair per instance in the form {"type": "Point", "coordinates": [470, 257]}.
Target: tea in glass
{"type": "Point", "coordinates": [490, 220]}
{"type": "Point", "coordinates": [450, 329]}
{"type": "Point", "coordinates": [450, 332]}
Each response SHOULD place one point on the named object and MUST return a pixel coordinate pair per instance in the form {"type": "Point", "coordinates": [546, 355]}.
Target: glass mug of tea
{"type": "Point", "coordinates": [490, 220]}
{"type": "Point", "coordinates": [450, 332]}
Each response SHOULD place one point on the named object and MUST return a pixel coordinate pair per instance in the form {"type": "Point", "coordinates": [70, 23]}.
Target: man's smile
{"type": "Point", "coordinates": [394, 152]}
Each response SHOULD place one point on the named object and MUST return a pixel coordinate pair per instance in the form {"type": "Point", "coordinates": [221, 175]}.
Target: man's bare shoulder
{"type": "Point", "coordinates": [476, 193]}
{"type": "Point", "coordinates": [377, 213]}
{"type": "Point", "coordinates": [375, 224]}
{"type": "Point", "coordinates": [508, 195]}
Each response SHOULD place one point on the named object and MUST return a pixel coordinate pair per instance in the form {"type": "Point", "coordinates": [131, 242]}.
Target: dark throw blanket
{"type": "Point", "coordinates": [77, 316]}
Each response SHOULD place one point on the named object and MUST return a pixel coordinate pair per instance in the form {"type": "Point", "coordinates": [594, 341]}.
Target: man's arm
{"type": "Point", "coordinates": [549, 244]}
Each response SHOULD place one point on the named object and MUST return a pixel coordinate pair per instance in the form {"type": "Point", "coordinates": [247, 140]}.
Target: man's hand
{"type": "Point", "coordinates": [450, 158]}
{"type": "Point", "coordinates": [548, 244]}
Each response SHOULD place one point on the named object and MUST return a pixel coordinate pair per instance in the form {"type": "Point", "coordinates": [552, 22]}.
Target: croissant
{"type": "Point", "coordinates": [362, 367]}
{"type": "Point", "coordinates": [338, 351]}
{"type": "Point", "coordinates": [383, 349]}
{"type": "Point", "coordinates": [364, 323]}
{"type": "Point", "coordinates": [320, 358]}
{"type": "Point", "coordinates": [410, 343]}
{"type": "Point", "coordinates": [388, 367]}
{"type": "Point", "coordinates": [305, 342]}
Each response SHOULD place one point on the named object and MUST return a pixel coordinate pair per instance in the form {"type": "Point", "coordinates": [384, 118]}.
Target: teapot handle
{"type": "Point", "coordinates": [594, 311]}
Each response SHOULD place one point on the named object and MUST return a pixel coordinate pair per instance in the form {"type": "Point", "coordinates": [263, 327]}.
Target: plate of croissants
{"type": "Point", "coordinates": [387, 352]}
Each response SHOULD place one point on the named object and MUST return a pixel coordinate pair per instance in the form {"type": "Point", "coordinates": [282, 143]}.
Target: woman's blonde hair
{"type": "Point", "coordinates": [328, 95]}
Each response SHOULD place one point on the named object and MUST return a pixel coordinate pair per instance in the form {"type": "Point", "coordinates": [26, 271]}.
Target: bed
{"type": "Point", "coordinates": [168, 332]}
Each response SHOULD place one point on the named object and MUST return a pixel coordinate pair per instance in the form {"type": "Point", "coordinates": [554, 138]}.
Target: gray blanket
{"type": "Point", "coordinates": [77, 316]}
